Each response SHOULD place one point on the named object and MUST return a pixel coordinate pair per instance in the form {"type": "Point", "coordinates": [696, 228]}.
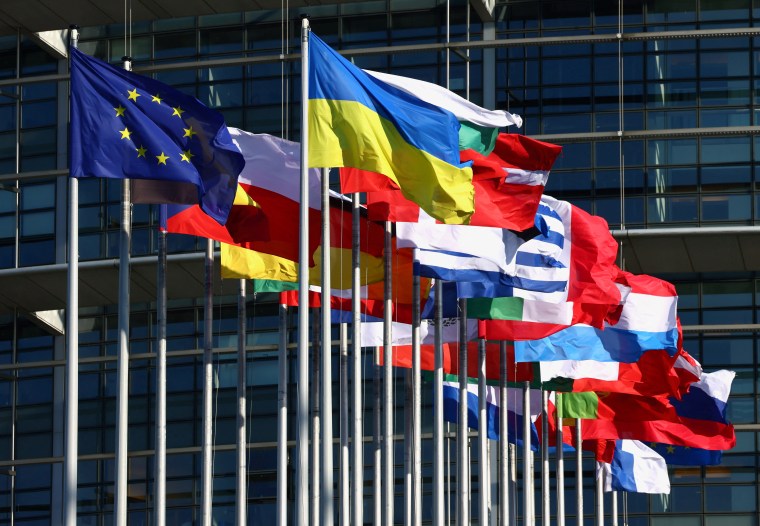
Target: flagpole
{"type": "Point", "coordinates": [122, 362]}
{"type": "Point", "coordinates": [388, 465]}
{"type": "Point", "coordinates": [513, 483]}
{"type": "Point", "coordinates": [560, 466]}
{"type": "Point", "coordinates": [160, 463]}
{"type": "Point", "coordinates": [527, 471]}
{"type": "Point", "coordinates": [408, 446]}
{"type": "Point", "coordinates": [599, 495]}
{"type": "Point", "coordinates": [207, 475]}
{"type": "Point", "coordinates": [484, 500]}
{"type": "Point", "coordinates": [70, 458]}
{"type": "Point", "coordinates": [241, 500]}
{"type": "Point", "coordinates": [345, 502]}
{"type": "Point", "coordinates": [503, 441]}
{"type": "Point", "coordinates": [579, 471]}
{"type": "Point", "coordinates": [314, 505]}
{"type": "Point", "coordinates": [438, 466]}
{"type": "Point", "coordinates": [302, 410]}
{"type": "Point", "coordinates": [614, 508]}
{"type": "Point", "coordinates": [545, 484]}
{"type": "Point", "coordinates": [463, 474]}
{"type": "Point", "coordinates": [327, 406]}
{"type": "Point", "coordinates": [356, 347]}
{"type": "Point", "coordinates": [282, 418]}
{"type": "Point", "coordinates": [377, 477]}
{"type": "Point", "coordinates": [416, 403]}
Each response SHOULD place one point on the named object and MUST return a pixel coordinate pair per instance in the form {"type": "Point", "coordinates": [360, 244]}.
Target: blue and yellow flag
{"type": "Point", "coordinates": [358, 121]}
{"type": "Point", "coordinates": [125, 125]}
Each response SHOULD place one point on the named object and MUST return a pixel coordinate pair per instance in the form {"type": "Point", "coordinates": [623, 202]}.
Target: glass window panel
{"type": "Point", "coordinates": [683, 499]}
{"type": "Point", "coordinates": [37, 196]}
{"type": "Point", "coordinates": [724, 92]}
{"type": "Point", "coordinates": [37, 223]}
{"type": "Point", "coordinates": [609, 209]}
{"type": "Point", "coordinates": [566, 99]}
{"type": "Point", "coordinates": [226, 40]}
{"type": "Point", "coordinates": [569, 183]}
{"type": "Point", "coordinates": [672, 151]}
{"type": "Point", "coordinates": [364, 28]}
{"type": "Point", "coordinates": [726, 150]}
{"type": "Point", "coordinates": [7, 117]}
{"type": "Point", "coordinates": [723, 64]}
{"type": "Point", "coordinates": [606, 68]}
{"type": "Point", "coordinates": [727, 293]}
{"type": "Point", "coordinates": [575, 123]}
{"type": "Point", "coordinates": [35, 390]}
{"type": "Point", "coordinates": [740, 410]}
{"type": "Point", "coordinates": [662, 180]}
{"type": "Point", "coordinates": [221, 95]}
{"type": "Point", "coordinates": [724, 352]}
{"type": "Point", "coordinates": [566, 13]}
{"type": "Point", "coordinates": [725, 117]}
{"type": "Point", "coordinates": [671, 209]}
{"type": "Point", "coordinates": [34, 114]}
{"type": "Point", "coordinates": [716, 178]}
{"type": "Point", "coordinates": [567, 70]}
{"type": "Point", "coordinates": [38, 141]}
{"type": "Point", "coordinates": [36, 253]}
{"type": "Point", "coordinates": [7, 227]}
{"type": "Point", "coordinates": [730, 498]}
{"type": "Point", "coordinates": [670, 11]}
{"type": "Point", "coordinates": [729, 520]}
{"type": "Point", "coordinates": [664, 120]}
{"type": "Point", "coordinates": [670, 94]}
{"type": "Point", "coordinates": [727, 317]}
{"type": "Point", "coordinates": [726, 207]}
{"type": "Point", "coordinates": [170, 45]}
{"type": "Point", "coordinates": [662, 66]}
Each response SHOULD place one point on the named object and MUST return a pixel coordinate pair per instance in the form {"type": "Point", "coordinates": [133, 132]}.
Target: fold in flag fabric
{"type": "Point", "coordinates": [697, 420]}
{"type": "Point", "coordinates": [127, 126]}
{"type": "Point", "coordinates": [508, 185]}
{"type": "Point", "coordinates": [358, 121]}
{"type": "Point", "coordinates": [493, 411]}
{"type": "Point", "coordinates": [603, 449]}
{"type": "Point", "coordinates": [478, 126]}
{"type": "Point", "coordinates": [499, 258]}
{"type": "Point", "coordinates": [636, 468]}
{"type": "Point", "coordinates": [266, 211]}
{"type": "Point", "coordinates": [645, 320]}
{"type": "Point", "coordinates": [521, 372]}
{"type": "Point", "coordinates": [372, 333]}
{"type": "Point", "coordinates": [656, 373]}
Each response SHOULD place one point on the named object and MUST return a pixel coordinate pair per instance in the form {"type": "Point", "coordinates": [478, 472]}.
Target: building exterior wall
{"type": "Point", "coordinates": [568, 92]}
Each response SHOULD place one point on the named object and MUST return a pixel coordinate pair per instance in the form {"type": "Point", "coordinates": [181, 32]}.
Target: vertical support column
{"type": "Point", "coordinates": [282, 418]}
{"type": "Point", "coordinates": [327, 514]}
{"type": "Point", "coordinates": [160, 463]}
{"type": "Point", "coordinates": [356, 348]}
{"type": "Point", "coordinates": [241, 493]}
{"type": "Point", "coordinates": [463, 460]}
{"type": "Point", "coordinates": [388, 465]}
{"type": "Point", "coordinates": [438, 465]}
{"type": "Point", "coordinates": [503, 434]}
{"type": "Point", "coordinates": [207, 477]}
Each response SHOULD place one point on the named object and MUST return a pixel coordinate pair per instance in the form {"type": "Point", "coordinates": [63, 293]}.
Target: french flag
{"type": "Point", "coordinates": [635, 468]}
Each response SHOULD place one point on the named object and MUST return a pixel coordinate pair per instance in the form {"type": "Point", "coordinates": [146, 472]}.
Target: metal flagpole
{"type": "Point", "coordinates": [438, 465]}
{"type": "Point", "coordinates": [545, 484]}
{"type": "Point", "coordinates": [326, 391]}
{"type": "Point", "coordinates": [408, 446]}
{"type": "Point", "coordinates": [614, 508]}
{"type": "Point", "coordinates": [388, 472]}
{"type": "Point", "coordinates": [345, 502]}
{"type": "Point", "coordinates": [503, 441]}
{"type": "Point", "coordinates": [356, 348]}
{"type": "Point", "coordinates": [560, 466]}
{"type": "Point", "coordinates": [416, 403]}
{"type": "Point", "coordinates": [302, 414]}
{"type": "Point", "coordinates": [527, 469]}
{"type": "Point", "coordinates": [160, 463]}
{"type": "Point", "coordinates": [72, 347]}
{"type": "Point", "coordinates": [315, 418]}
{"type": "Point", "coordinates": [483, 465]}
{"type": "Point", "coordinates": [282, 419]}
{"type": "Point", "coordinates": [208, 385]}
{"type": "Point", "coordinates": [241, 500]}
{"type": "Point", "coordinates": [377, 446]}
{"type": "Point", "coordinates": [513, 483]}
{"type": "Point", "coordinates": [599, 482]}
{"type": "Point", "coordinates": [122, 363]}
{"type": "Point", "coordinates": [579, 471]}
{"type": "Point", "coordinates": [463, 474]}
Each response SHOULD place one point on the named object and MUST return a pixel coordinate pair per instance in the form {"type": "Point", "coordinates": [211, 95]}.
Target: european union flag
{"type": "Point", "coordinates": [686, 456]}
{"type": "Point", "coordinates": [127, 126]}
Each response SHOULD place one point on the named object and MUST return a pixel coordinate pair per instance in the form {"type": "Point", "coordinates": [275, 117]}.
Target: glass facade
{"type": "Point", "coordinates": [687, 102]}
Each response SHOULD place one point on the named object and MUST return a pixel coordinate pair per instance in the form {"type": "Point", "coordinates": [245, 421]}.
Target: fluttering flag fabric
{"type": "Point", "coordinates": [372, 333]}
{"type": "Point", "coordinates": [636, 468]}
{"type": "Point", "coordinates": [127, 126]}
{"type": "Point", "coordinates": [508, 185]}
{"type": "Point", "coordinates": [645, 320]}
{"type": "Point", "coordinates": [697, 420]}
{"type": "Point", "coordinates": [493, 412]}
{"type": "Point", "coordinates": [478, 126]}
{"type": "Point", "coordinates": [265, 215]}
{"type": "Point", "coordinates": [686, 456]}
{"type": "Point", "coordinates": [358, 121]}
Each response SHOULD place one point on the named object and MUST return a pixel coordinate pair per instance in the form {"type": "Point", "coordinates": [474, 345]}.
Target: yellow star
{"type": "Point", "coordinates": [189, 132]}
{"type": "Point", "coordinates": [125, 133]}
{"type": "Point", "coordinates": [141, 151]}
{"type": "Point", "coordinates": [162, 158]}
{"type": "Point", "coordinates": [156, 98]}
{"type": "Point", "coordinates": [670, 450]}
{"type": "Point", "coordinates": [133, 95]}
{"type": "Point", "coordinates": [120, 110]}
{"type": "Point", "coordinates": [186, 156]}
{"type": "Point", "coordinates": [178, 112]}
{"type": "Point", "coordinates": [653, 445]}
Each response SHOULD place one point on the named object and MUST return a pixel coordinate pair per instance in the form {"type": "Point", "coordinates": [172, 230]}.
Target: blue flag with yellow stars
{"type": "Point", "coordinates": [125, 125]}
{"type": "Point", "coordinates": [686, 456]}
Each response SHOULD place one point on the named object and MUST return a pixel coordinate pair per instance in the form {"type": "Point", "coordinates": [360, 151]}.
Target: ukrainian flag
{"type": "Point", "coordinates": [358, 121]}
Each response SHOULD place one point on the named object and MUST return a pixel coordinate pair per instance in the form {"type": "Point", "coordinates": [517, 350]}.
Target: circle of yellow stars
{"type": "Point", "coordinates": [142, 151]}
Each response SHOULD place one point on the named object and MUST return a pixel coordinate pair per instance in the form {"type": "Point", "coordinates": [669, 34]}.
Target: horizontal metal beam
{"type": "Point", "coordinates": [740, 327]}
{"type": "Point", "coordinates": [559, 40]}
{"type": "Point", "coordinates": [690, 231]}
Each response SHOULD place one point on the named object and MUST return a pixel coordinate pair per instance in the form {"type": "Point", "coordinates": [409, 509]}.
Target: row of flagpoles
{"type": "Point", "coordinates": [314, 497]}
